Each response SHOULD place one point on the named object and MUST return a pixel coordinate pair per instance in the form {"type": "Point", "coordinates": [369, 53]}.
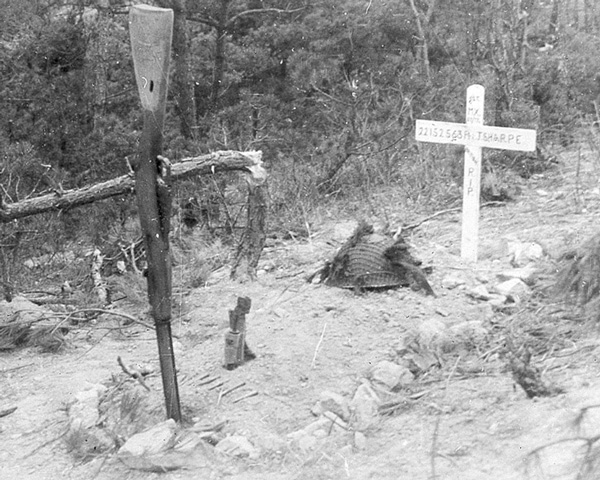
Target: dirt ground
{"type": "Point", "coordinates": [464, 419]}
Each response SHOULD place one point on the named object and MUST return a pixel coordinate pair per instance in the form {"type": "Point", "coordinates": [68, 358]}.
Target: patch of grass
{"type": "Point", "coordinates": [86, 444]}
{"type": "Point", "coordinates": [579, 279]}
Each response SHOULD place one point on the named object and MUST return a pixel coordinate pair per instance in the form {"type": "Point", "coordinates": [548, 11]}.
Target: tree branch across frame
{"type": "Point", "coordinates": [220, 161]}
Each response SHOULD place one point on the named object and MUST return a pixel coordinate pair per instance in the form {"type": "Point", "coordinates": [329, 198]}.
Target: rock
{"type": "Point", "coordinates": [307, 442]}
{"type": "Point", "coordinates": [423, 360]}
{"type": "Point", "coordinates": [29, 263]}
{"type": "Point", "coordinates": [522, 254]}
{"type": "Point", "coordinates": [269, 441]}
{"type": "Point", "coordinates": [332, 402]}
{"type": "Point", "coordinates": [345, 451]}
{"type": "Point", "coordinates": [169, 461]}
{"type": "Point", "coordinates": [480, 292]}
{"type": "Point", "coordinates": [514, 288]}
{"type": "Point", "coordinates": [469, 333]}
{"type": "Point", "coordinates": [237, 446]}
{"type": "Point", "coordinates": [19, 306]}
{"type": "Point", "coordinates": [391, 375]}
{"type": "Point", "coordinates": [154, 440]}
{"type": "Point", "coordinates": [329, 422]}
{"type": "Point", "coordinates": [450, 282]}
{"type": "Point", "coordinates": [360, 441]}
{"type": "Point", "coordinates": [364, 407]}
{"type": "Point", "coordinates": [178, 349]}
{"type": "Point", "coordinates": [526, 274]}
{"type": "Point", "coordinates": [429, 331]}
{"type": "Point", "coordinates": [83, 410]}
{"type": "Point", "coordinates": [497, 300]}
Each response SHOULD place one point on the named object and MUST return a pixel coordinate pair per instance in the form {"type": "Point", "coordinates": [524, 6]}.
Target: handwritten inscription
{"type": "Point", "coordinates": [476, 135]}
{"type": "Point", "coordinates": [469, 135]}
{"type": "Point", "coordinates": [469, 183]}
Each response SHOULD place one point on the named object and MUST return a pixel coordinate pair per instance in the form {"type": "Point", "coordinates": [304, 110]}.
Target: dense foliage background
{"type": "Point", "coordinates": [329, 90]}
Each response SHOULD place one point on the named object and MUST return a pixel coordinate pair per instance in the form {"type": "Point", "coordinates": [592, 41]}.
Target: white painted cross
{"type": "Point", "coordinates": [474, 135]}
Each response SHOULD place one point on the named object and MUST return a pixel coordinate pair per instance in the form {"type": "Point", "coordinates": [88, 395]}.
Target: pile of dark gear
{"type": "Point", "coordinates": [370, 261]}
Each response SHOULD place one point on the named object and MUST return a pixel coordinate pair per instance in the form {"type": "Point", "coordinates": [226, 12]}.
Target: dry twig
{"type": "Point", "coordinates": [318, 345]}
{"type": "Point", "coordinates": [133, 373]}
{"type": "Point", "coordinates": [436, 430]}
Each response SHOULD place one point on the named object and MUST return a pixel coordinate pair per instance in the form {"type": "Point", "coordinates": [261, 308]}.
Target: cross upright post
{"type": "Point", "coordinates": [472, 178]}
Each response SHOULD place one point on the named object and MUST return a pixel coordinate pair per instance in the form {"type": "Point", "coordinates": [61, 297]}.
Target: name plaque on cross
{"type": "Point", "coordinates": [474, 135]}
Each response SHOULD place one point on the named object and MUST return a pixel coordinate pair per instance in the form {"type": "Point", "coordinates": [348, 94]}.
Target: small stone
{"type": "Point", "coordinates": [307, 442]}
{"type": "Point", "coordinates": [513, 288]}
{"type": "Point", "coordinates": [345, 450]}
{"type": "Point", "coordinates": [332, 402]}
{"type": "Point", "coordinates": [450, 282]}
{"type": "Point", "coordinates": [237, 446]}
{"type": "Point", "coordinates": [524, 253]}
{"type": "Point", "coordinates": [29, 263]}
{"type": "Point", "coordinates": [178, 349]}
{"type": "Point", "coordinates": [480, 292]}
{"type": "Point", "coordinates": [360, 441]}
{"type": "Point", "coordinates": [526, 274]}
{"type": "Point", "coordinates": [364, 406]}
{"type": "Point", "coordinates": [497, 300]}
{"type": "Point", "coordinates": [430, 330]}
{"type": "Point", "coordinates": [423, 360]}
{"type": "Point", "coordinates": [155, 440]}
{"type": "Point", "coordinates": [83, 410]}
{"type": "Point", "coordinates": [391, 374]}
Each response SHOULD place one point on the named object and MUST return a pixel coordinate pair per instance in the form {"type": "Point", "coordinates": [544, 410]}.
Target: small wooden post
{"type": "Point", "coordinates": [151, 31]}
{"type": "Point", "coordinates": [235, 339]}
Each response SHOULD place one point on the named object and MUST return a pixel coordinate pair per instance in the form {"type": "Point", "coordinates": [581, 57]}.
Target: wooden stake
{"type": "Point", "coordinates": [151, 31]}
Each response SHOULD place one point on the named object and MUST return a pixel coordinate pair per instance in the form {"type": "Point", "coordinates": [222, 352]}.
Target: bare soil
{"type": "Point", "coordinates": [464, 419]}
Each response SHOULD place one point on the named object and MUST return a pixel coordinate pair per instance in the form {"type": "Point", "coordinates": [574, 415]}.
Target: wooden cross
{"type": "Point", "coordinates": [474, 135]}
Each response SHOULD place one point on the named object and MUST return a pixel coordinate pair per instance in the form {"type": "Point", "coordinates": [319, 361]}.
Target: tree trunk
{"type": "Point", "coordinates": [183, 84]}
{"type": "Point", "coordinates": [422, 22]}
{"type": "Point", "coordinates": [553, 24]}
{"type": "Point", "coordinates": [219, 62]}
{"type": "Point", "coordinates": [253, 240]}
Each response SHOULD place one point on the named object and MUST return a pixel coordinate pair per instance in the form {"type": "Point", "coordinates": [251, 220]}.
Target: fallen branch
{"type": "Point", "coordinates": [133, 373]}
{"type": "Point", "coordinates": [223, 393]}
{"type": "Point", "coordinates": [222, 161]}
{"type": "Point", "coordinates": [244, 397]}
{"type": "Point", "coordinates": [7, 411]}
{"type": "Point", "coordinates": [448, 210]}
